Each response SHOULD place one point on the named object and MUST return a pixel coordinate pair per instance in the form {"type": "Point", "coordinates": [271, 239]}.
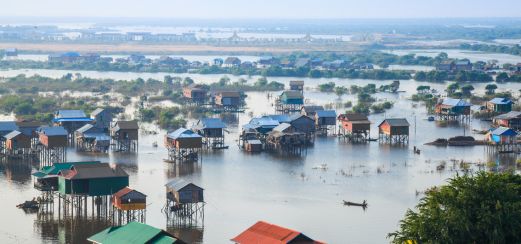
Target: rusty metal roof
{"type": "Point", "coordinates": [266, 233]}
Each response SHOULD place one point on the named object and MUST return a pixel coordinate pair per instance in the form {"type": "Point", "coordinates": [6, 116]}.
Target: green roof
{"type": "Point", "coordinates": [133, 232]}
{"type": "Point", "coordinates": [57, 167]}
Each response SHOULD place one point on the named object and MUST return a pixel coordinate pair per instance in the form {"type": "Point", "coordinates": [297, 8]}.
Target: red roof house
{"type": "Point", "coordinates": [266, 233]}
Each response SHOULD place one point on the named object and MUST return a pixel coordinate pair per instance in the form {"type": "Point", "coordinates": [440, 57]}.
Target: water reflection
{"type": "Point", "coordinates": [17, 171]}
{"type": "Point", "coordinates": [189, 234]}
{"type": "Point", "coordinates": [180, 169]}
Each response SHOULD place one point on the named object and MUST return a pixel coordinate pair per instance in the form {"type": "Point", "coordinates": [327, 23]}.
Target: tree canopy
{"type": "Point", "coordinates": [480, 208]}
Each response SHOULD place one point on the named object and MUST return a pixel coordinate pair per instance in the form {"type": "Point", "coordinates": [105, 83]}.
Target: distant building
{"type": "Point", "coordinates": [499, 105]}
{"type": "Point", "coordinates": [230, 99]}
{"type": "Point", "coordinates": [296, 85]}
{"type": "Point", "coordinates": [195, 93]}
{"type": "Point", "coordinates": [232, 62]}
{"type": "Point", "coordinates": [218, 62]}
{"type": "Point", "coordinates": [450, 65]}
{"type": "Point", "coordinates": [11, 52]}
{"type": "Point", "coordinates": [264, 232]}
{"type": "Point", "coordinates": [267, 61]}
{"type": "Point", "coordinates": [68, 57]}
{"type": "Point", "coordinates": [463, 65]}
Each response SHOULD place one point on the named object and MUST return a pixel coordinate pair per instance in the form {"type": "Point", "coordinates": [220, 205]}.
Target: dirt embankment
{"type": "Point", "coordinates": [172, 48]}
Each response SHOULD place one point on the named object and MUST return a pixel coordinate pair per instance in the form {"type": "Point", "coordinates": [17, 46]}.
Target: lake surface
{"type": "Point", "coordinates": [242, 188]}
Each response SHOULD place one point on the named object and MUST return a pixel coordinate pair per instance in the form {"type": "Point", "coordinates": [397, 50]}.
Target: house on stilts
{"type": "Point", "coordinates": [394, 131]}
{"type": "Point", "coordinates": [354, 127]}
{"type": "Point", "coordinates": [128, 205]}
{"type": "Point", "coordinates": [90, 138]}
{"type": "Point", "coordinates": [325, 122]}
{"type": "Point", "coordinates": [502, 139]}
{"type": "Point", "coordinates": [451, 109]}
{"type": "Point", "coordinates": [184, 202]}
{"type": "Point", "coordinates": [71, 120]}
{"type": "Point", "coordinates": [125, 136]}
{"type": "Point", "coordinates": [286, 139]}
{"type": "Point", "coordinates": [183, 145]}
{"type": "Point", "coordinates": [289, 101]}
{"type": "Point", "coordinates": [212, 130]}
{"type": "Point", "coordinates": [52, 145]}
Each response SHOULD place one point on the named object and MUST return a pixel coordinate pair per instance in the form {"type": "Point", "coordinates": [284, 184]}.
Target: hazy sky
{"type": "Point", "coordinates": [263, 8]}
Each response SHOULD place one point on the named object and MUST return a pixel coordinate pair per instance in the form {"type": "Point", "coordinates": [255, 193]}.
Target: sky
{"type": "Point", "coordinates": [262, 9]}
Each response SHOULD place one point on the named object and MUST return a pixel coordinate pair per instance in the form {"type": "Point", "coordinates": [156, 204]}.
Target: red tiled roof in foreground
{"type": "Point", "coordinates": [266, 233]}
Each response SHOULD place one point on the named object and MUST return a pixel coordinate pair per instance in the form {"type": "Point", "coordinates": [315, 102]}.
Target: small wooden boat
{"type": "Point", "coordinates": [363, 204]}
{"type": "Point", "coordinates": [430, 118]}
{"type": "Point", "coordinates": [372, 139]}
{"type": "Point", "coordinates": [33, 204]}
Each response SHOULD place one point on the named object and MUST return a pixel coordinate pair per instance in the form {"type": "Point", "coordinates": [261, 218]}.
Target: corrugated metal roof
{"type": "Point", "coordinates": [179, 184]}
{"type": "Point", "coordinates": [210, 123]}
{"type": "Point", "coordinates": [504, 131]}
{"type": "Point", "coordinates": [12, 134]}
{"type": "Point", "coordinates": [353, 117]}
{"type": "Point", "coordinates": [85, 128]}
{"type": "Point", "coordinates": [326, 113]}
{"type": "Point", "coordinates": [281, 118]}
{"type": "Point", "coordinates": [296, 82]}
{"type": "Point", "coordinates": [98, 136]}
{"type": "Point", "coordinates": [509, 115]}
{"type": "Point", "coordinates": [133, 232]}
{"type": "Point", "coordinates": [292, 94]}
{"type": "Point", "coordinates": [183, 133]}
{"type": "Point", "coordinates": [72, 120]}
{"type": "Point", "coordinates": [298, 116]}
{"type": "Point", "coordinates": [57, 167]}
{"type": "Point", "coordinates": [93, 171]}
{"type": "Point", "coordinates": [126, 125]}
{"type": "Point", "coordinates": [126, 191]}
{"type": "Point", "coordinates": [282, 127]}
{"type": "Point", "coordinates": [396, 122]}
{"type": "Point", "coordinates": [264, 122]}
{"type": "Point", "coordinates": [312, 108]}
{"type": "Point", "coordinates": [500, 101]}
{"type": "Point", "coordinates": [266, 233]}
{"type": "Point", "coordinates": [96, 112]}
{"type": "Point", "coordinates": [8, 126]}
{"type": "Point", "coordinates": [53, 131]}
{"type": "Point", "coordinates": [455, 102]}
{"type": "Point", "coordinates": [70, 114]}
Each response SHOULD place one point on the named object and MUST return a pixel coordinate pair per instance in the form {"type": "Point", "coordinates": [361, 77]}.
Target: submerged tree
{"type": "Point", "coordinates": [481, 208]}
{"type": "Point", "coordinates": [491, 89]}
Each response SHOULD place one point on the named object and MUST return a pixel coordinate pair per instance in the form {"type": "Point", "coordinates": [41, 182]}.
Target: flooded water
{"type": "Point", "coordinates": [242, 188]}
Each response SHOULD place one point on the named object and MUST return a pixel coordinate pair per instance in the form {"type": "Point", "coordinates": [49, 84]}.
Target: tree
{"type": "Point", "coordinates": [340, 91]}
{"type": "Point", "coordinates": [491, 89]}
{"type": "Point", "coordinates": [261, 82]}
{"type": "Point", "coordinates": [502, 77]}
{"type": "Point", "coordinates": [188, 81]}
{"type": "Point", "coordinates": [452, 88]}
{"type": "Point", "coordinates": [224, 80]}
{"type": "Point", "coordinates": [467, 89]}
{"type": "Point", "coordinates": [481, 208]}
{"type": "Point", "coordinates": [423, 89]}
